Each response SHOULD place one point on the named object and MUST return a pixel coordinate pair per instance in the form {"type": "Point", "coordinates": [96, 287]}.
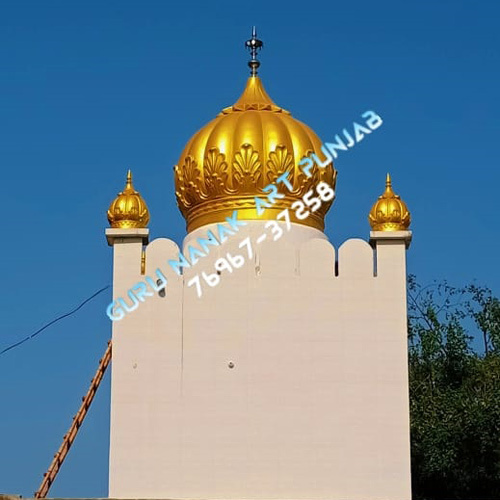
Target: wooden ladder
{"type": "Point", "coordinates": [69, 437]}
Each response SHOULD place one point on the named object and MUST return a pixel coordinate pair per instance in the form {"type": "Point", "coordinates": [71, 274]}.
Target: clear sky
{"type": "Point", "coordinates": [89, 89]}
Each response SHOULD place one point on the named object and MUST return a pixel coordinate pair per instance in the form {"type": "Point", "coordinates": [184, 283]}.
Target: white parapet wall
{"type": "Point", "coordinates": [288, 380]}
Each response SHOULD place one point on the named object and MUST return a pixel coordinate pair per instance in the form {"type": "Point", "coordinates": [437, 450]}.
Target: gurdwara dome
{"type": "Point", "coordinates": [128, 210]}
{"type": "Point", "coordinates": [389, 212]}
{"type": "Point", "coordinates": [230, 160]}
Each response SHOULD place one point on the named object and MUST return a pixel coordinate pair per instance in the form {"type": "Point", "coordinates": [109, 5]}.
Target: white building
{"type": "Point", "coordinates": [288, 379]}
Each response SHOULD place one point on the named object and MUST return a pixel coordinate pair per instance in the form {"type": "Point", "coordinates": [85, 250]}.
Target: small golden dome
{"type": "Point", "coordinates": [246, 147]}
{"type": "Point", "coordinates": [389, 213]}
{"type": "Point", "coordinates": [129, 209]}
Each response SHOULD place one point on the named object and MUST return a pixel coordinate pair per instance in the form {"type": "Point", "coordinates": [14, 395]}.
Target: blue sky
{"type": "Point", "coordinates": [89, 89]}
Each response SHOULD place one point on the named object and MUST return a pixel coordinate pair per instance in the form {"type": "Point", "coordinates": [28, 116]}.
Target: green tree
{"type": "Point", "coordinates": [454, 367]}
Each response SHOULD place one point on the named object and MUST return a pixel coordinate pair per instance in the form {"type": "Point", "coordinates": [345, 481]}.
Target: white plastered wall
{"type": "Point", "coordinates": [316, 405]}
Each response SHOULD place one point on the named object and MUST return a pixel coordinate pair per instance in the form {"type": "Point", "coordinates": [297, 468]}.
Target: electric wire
{"type": "Point", "coordinates": [40, 330]}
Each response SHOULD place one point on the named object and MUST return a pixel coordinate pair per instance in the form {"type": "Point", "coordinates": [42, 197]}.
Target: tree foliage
{"type": "Point", "coordinates": [454, 364]}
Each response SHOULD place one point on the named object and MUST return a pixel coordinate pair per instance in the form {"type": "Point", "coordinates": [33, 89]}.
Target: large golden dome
{"type": "Point", "coordinates": [247, 146]}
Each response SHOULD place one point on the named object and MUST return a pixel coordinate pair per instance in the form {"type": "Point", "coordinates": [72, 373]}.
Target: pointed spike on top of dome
{"type": "Point", "coordinates": [388, 186]}
{"type": "Point", "coordinates": [129, 185]}
{"type": "Point", "coordinates": [254, 45]}
{"type": "Point", "coordinates": [254, 96]}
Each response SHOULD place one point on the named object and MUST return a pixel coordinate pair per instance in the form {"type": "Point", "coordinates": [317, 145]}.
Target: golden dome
{"type": "Point", "coordinates": [246, 147]}
{"type": "Point", "coordinates": [129, 209]}
{"type": "Point", "coordinates": [389, 213]}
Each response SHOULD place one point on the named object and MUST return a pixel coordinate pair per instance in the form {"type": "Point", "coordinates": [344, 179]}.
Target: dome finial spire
{"type": "Point", "coordinates": [254, 45]}
{"type": "Point", "coordinates": [128, 184]}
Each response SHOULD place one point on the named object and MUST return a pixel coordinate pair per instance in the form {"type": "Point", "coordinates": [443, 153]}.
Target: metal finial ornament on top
{"type": "Point", "coordinates": [254, 45]}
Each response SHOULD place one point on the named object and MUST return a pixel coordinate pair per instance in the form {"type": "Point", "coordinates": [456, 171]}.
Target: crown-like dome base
{"type": "Point", "coordinates": [245, 206]}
